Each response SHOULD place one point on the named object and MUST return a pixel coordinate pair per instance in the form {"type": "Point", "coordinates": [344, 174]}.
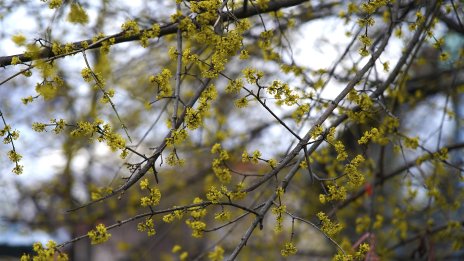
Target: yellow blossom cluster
{"type": "Point", "coordinates": [352, 8]}
{"type": "Point", "coordinates": [411, 143]}
{"type": "Point", "coordinates": [98, 193]}
{"type": "Point", "coordinates": [244, 55]}
{"type": "Point", "coordinates": [99, 235]}
{"type": "Point", "coordinates": [358, 255]}
{"type": "Point", "coordinates": [183, 255]}
{"type": "Point", "coordinates": [219, 169]}
{"type": "Point", "coordinates": [130, 28]}
{"type": "Point", "coordinates": [87, 74]}
{"type": "Point", "coordinates": [53, 4]}
{"type": "Point", "coordinates": [163, 84]}
{"type": "Point", "coordinates": [173, 159]}
{"type": "Point", "coordinates": [289, 249]}
{"type": "Point", "coordinates": [282, 93]}
{"type": "Point", "coordinates": [77, 14]}
{"type": "Point", "coordinates": [224, 44]}
{"type": "Point", "coordinates": [148, 226]}
{"type": "Point", "coordinates": [272, 163]}
{"type": "Point", "coordinates": [49, 252]}
{"type": "Point", "coordinates": [265, 38]}
{"type": "Point", "coordinates": [105, 45]}
{"type": "Point", "coordinates": [154, 196]}
{"type": "Point", "coordinates": [195, 222]}
{"type": "Point", "coordinates": [187, 55]}
{"type": "Point", "coordinates": [197, 227]}
{"type": "Point", "coordinates": [207, 11]}
{"type": "Point", "coordinates": [295, 69]}
{"type": "Point", "coordinates": [300, 111]}
{"type": "Point", "coordinates": [15, 60]}
{"type": "Point", "coordinates": [234, 86]}
{"type": "Point", "coordinates": [372, 6]}
{"type": "Point", "coordinates": [317, 131]}
{"type": "Point", "coordinates": [334, 193]}
{"type": "Point", "coordinates": [264, 43]}
{"type": "Point", "coordinates": [85, 128]}
{"type": "Point", "coordinates": [224, 215]}
{"type": "Point", "coordinates": [11, 135]}
{"type": "Point", "coordinates": [49, 88]}
{"type": "Point", "coordinates": [279, 213]}
{"type": "Point", "coordinates": [217, 254]}
{"type": "Point", "coordinates": [399, 222]}
{"type": "Point", "coordinates": [179, 214]}
{"type": "Point", "coordinates": [355, 177]}
{"type": "Point", "coordinates": [238, 192]}
{"type": "Point", "coordinates": [19, 39]}
{"type": "Point", "coordinates": [362, 224]}
{"type": "Point", "coordinates": [364, 102]}
{"type": "Point", "coordinates": [253, 158]}
{"type": "Point", "coordinates": [369, 8]}
{"type": "Point", "coordinates": [328, 227]}
{"type": "Point", "coordinates": [177, 137]}
{"type": "Point", "coordinates": [194, 116]}
{"type": "Point", "coordinates": [367, 21]}
{"type": "Point", "coordinates": [215, 195]}
{"type": "Point", "coordinates": [59, 49]}
{"type": "Point", "coordinates": [386, 66]}
{"type": "Point", "coordinates": [58, 124]}
{"type": "Point", "coordinates": [197, 212]}
{"type": "Point", "coordinates": [440, 155]}
{"type": "Point", "coordinates": [337, 144]}
{"type": "Point", "coordinates": [376, 135]}
{"type": "Point", "coordinates": [149, 34]}
{"type": "Point", "coordinates": [263, 4]}
{"type": "Point", "coordinates": [241, 102]}
{"type": "Point", "coordinates": [27, 100]}
{"type": "Point", "coordinates": [102, 132]}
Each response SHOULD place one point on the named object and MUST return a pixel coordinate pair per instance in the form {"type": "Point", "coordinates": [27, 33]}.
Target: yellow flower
{"type": "Point", "coordinates": [19, 39]}
{"type": "Point", "coordinates": [148, 226]}
{"type": "Point", "coordinates": [144, 184]}
{"type": "Point", "coordinates": [52, 4]}
{"type": "Point", "coordinates": [289, 249]}
{"type": "Point", "coordinates": [77, 14]}
{"type": "Point", "coordinates": [153, 199]}
{"type": "Point", "coordinates": [217, 254]}
{"type": "Point", "coordinates": [328, 226]}
{"type": "Point", "coordinates": [15, 60]}
{"type": "Point", "coordinates": [386, 66]}
{"type": "Point", "coordinates": [234, 86]}
{"type": "Point", "coordinates": [318, 130]}
{"type": "Point", "coordinates": [197, 227]}
{"type": "Point", "coordinates": [255, 156]}
{"type": "Point", "coordinates": [241, 103]}
{"type": "Point", "coordinates": [130, 27]}
{"type": "Point", "coordinates": [176, 249]}
{"type": "Point", "coordinates": [222, 216]}
{"type": "Point", "coordinates": [99, 235]}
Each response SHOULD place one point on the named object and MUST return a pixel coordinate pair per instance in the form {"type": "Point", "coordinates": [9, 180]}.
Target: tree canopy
{"type": "Point", "coordinates": [225, 129]}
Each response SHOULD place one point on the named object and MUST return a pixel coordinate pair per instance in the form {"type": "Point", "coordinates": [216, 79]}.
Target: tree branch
{"type": "Point", "coordinates": [137, 176]}
{"type": "Point", "coordinates": [384, 178]}
{"type": "Point", "coordinates": [167, 29]}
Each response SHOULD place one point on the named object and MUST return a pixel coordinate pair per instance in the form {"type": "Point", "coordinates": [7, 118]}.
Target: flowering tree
{"type": "Point", "coordinates": [224, 131]}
